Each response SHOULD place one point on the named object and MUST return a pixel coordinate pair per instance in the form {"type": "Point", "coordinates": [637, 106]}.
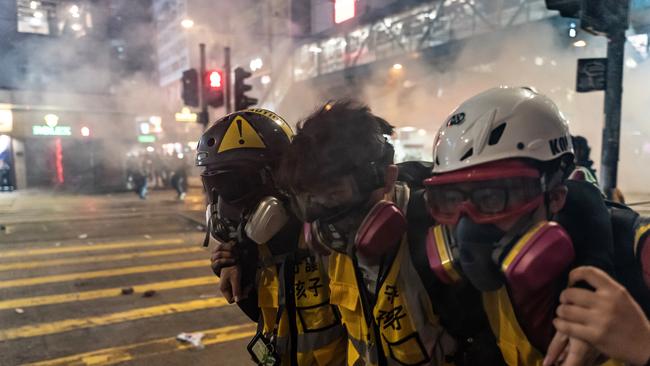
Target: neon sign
{"type": "Point", "coordinates": [51, 131]}
{"type": "Point", "coordinates": [146, 138]}
{"type": "Point", "coordinates": [51, 127]}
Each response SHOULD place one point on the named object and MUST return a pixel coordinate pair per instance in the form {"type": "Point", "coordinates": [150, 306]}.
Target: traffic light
{"type": "Point", "coordinates": [605, 17]}
{"type": "Point", "coordinates": [567, 8]}
{"type": "Point", "coordinates": [242, 101]}
{"type": "Point", "coordinates": [190, 88]}
{"type": "Point", "coordinates": [599, 17]}
{"type": "Point", "coordinates": [213, 85]}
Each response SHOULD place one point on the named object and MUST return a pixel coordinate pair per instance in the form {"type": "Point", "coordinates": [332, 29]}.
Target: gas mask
{"type": "Point", "coordinates": [526, 257]}
{"type": "Point", "coordinates": [226, 223]}
{"type": "Point", "coordinates": [371, 233]}
{"type": "Point", "coordinates": [241, 204]}
{"type": "Point", "coordinates": [471, 201]}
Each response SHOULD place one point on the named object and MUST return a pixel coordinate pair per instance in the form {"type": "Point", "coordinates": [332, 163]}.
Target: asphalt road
{"type": "Point", "coordinates": [65, 260]}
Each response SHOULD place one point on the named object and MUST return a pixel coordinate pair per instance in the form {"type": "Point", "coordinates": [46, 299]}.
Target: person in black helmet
{"type": "Point", "coordinates": [259, 255]}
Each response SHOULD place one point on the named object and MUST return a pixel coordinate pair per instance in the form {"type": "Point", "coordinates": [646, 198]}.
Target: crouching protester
{"type": "Point", "coordinates": [499, 181]}
{"type": "Point", "coordinates": [259, 255]}
{"type": "Point", "coordinates": [340, 172]}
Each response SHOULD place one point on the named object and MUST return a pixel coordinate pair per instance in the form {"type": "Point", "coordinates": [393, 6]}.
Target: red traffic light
{"type": "Point", "coordinates": [215, 79]}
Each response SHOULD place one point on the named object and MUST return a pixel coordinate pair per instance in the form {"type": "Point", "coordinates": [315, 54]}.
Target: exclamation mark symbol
{"type": "Point", "coordinates": [241, 137]}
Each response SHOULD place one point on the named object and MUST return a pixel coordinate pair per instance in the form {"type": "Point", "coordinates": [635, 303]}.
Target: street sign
{"type": "Point", "coordinates": [146, 138]}
{"type": "Point", "coordinates": [591, 74]}
{"type": "Point", "coordinates": [185, 115]}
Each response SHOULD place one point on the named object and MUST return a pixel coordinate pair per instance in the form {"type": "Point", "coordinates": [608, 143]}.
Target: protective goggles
{"type": "Point", "coordinates": [329, 202]}
{"type": "Point", "coordinates": [233, 185]}
{"type": "Point", "coordinates": [487, 194]}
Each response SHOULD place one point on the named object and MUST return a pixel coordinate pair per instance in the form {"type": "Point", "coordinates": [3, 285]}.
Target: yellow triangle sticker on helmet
{"type": "Point", "coordinates": [240, 135]}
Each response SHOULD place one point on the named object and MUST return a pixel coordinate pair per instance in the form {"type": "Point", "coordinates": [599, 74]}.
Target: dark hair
{"type": "Point", "coordinates": [338, 139]}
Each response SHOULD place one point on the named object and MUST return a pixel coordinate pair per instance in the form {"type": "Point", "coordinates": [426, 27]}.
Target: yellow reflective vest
{"type": "Point", "coordinates": [514, 345]}
{"type": "Point", "coordinates": [402, 314]}
{"type": "Point", "coordinates": [320, 339]}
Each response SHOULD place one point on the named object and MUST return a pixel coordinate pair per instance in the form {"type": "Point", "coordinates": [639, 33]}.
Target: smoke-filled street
{"type": "Point", "coordinates": [325, 182]}
{"type": "Point", "coordinates": [111, 279]}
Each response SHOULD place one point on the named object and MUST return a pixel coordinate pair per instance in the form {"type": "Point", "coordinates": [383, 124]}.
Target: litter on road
{"type": "Point", "coordinates": [192, 338]}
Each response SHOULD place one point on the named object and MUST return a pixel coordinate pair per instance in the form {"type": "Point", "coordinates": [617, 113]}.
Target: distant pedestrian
{"type": "Point", "coordinates": [179, 179]}
{"type": "Point", "coordinates": [136, 177]}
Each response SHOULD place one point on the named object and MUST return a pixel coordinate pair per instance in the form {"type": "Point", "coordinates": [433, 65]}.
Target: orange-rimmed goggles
{"type": "Point", "coordinates": [487, 193]}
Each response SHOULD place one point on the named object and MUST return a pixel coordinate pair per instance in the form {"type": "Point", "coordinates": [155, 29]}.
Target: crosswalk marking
{"type": "Point", "coordinates": [102, 273]}
{"type": "Point", "coordinates": [111, 356]}
{"type": "Point", "coordinates": [88, 248]}
{"type": "Point", "coordinates": [101, 294]}
{"type": "Point", "coordinates": [97, 259]}
{"type": "Point", "coordinates": [61, 326]}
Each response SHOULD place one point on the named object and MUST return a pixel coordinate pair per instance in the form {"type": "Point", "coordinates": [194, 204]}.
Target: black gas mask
{"type": "Point", "coordinates": [483, 246]}
{"type": "Point", "coordinates": [232, 194]}
{"type": "Point", "coordinates": [335, 211]}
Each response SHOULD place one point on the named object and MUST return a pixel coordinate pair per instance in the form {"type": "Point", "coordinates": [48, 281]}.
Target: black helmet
{"type": "Point", "coordinates": [239, 152]}
{"type": "Point", "coordinates": [256, 136]}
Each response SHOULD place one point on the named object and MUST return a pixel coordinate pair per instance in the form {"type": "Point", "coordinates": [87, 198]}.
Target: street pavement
{"type": "Point", "coordinates": [111, 280]}
{"type": "Point", "coordinates": [65, 260]}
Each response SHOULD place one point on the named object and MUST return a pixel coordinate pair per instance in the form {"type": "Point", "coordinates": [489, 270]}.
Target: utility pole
{"type": "Point", "coordinates": [613, 97]}
{"type": "Point", "coordinates": [204, 116]}
{"type": "Point", "coordinates": [228, 84]}
{"type": "Point", "coordinates": [607, 18]}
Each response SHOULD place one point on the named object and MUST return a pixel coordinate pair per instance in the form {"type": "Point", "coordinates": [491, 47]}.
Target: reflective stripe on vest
{"type": "Point", "coordinates": [403, 313]}
{"type": "Point", "coordinates": [514, 345]}
{"type": "Point", "coordinates": [321, 338]}
{"type": "Point", "coordinates": [640, 231]}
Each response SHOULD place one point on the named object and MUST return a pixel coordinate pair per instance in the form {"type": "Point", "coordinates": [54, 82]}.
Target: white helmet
{"type": "Point", "coordinates": [501, 123]}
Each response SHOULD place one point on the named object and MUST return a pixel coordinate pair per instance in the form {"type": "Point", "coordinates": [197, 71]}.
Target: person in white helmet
{"type": "Point", "coordinates": [501, 161]}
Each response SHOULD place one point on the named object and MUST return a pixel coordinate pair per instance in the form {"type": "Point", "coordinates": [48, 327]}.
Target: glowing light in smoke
{"type": "Point", "coordinates": [315, 49]}
{"type": "Point", "coordinates": [85, 131]}
{"type": "Point", "coordinates": [150, 149]}
{"type": "Point", "coordinates": [256, 64]}
{"type": "Point", "coordinates": [631, 63]}
{"type": "Point", "coordinates": [58, 155]}
{"type": "Point", "coordinates": [344, 10]}
{"type": "Point", "coordinates": [397, 66]}
{"type": "Point", "coordinates": [580, 43]}
{"type": "Point", "coordinates": [6, 120]}
{"type": "Point", "coordinates": [74, 11]}
{"type": "Point", "coordinates": [4, 143]}
{"type": "Point", "coordinates": [76, 27]}
{"type": "Point", "coordinates": [51, 120]}
{"type": "Point", "coordinates": [34, 4]}
{"type": "Point", "coordinates": [265, 79]}
{"type": "Point", "coordinates": [187, 23]}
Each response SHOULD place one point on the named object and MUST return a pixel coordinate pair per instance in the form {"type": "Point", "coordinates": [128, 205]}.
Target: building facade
{"type": "Point", "coordinates": [67, 86]}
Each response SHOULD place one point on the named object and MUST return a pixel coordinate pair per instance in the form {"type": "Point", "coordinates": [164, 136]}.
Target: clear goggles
{"type": "Point", "coordinates": [487, 193]}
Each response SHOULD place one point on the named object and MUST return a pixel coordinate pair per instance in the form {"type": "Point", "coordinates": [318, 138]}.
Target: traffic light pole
{"type": "Point", "coordinates": [613, 96]}
{"type": "Point", "coordinates": [228, 83]}
{"type": "Point", "coordinates": [204, 117]}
